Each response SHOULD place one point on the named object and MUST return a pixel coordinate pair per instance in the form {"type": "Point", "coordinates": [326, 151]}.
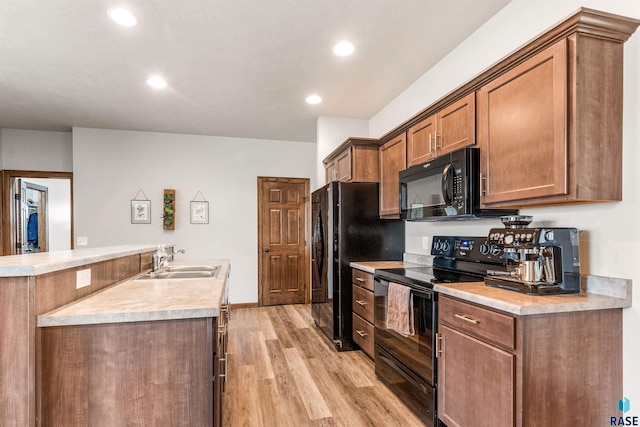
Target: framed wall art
{"type": "Point", "coordinates": [140, 211]}
{"type": "Point", "coordinates": [199, 211]}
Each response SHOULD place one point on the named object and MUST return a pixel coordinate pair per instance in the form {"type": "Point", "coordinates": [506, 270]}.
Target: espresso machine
{"type": "Point", "coordinates": [539, 261]}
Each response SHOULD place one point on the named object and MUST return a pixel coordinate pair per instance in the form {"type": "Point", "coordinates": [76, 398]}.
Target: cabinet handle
{"type": "Point", "coordinates": [225, 361]}
{"type": "Point", "coordinates": [438, 344]}
{"type": "Point", "coordinates": [483, 184]}
{"type": "Point", "coordinates": [363, 334]}
{"type": "Point", "coordinates": [435, 141]}
{"type": "Point", "coordinates": [466, 318]}
{"type": "Point", "coordinates": [430, 147]}
{"type": "Point", "coordinates": [222, 330]}
{"type": "Point", "coordinates": [226, 311]}
{"type": "Point", "coordinates": [362, 303]}
{"type": "Point", "coordinates": [360, 279]}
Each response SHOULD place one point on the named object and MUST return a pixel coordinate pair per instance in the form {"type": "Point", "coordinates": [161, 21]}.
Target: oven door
{"type": "Point", "coordinates": [415, 352]}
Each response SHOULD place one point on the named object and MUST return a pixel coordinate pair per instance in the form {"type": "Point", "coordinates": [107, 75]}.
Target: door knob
{"type": "Point", "coordinates": [267, 250]}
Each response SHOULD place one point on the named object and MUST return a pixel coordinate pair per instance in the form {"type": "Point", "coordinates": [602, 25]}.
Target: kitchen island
{"type": "Point", "coordinates": [44, 296]}
{"type": "Point", "coordinates": [33, 284]}
{"type": "Point", "coordinates": [147, 351]}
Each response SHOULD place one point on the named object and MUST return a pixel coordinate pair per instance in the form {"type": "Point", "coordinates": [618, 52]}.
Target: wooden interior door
{"type": "Point", "coordinates": [11, 213]}
{"type": "Point", "coordinates": [283, 254]}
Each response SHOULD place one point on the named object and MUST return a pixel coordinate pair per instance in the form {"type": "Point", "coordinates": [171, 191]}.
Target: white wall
{"type": "Point", "coordinates": [111, 166]}
{"type": "Point", "coordinates": [610, 232]}
{"type": "Point", "coordinates": [36, 150]}
{"type": "Point", "coordinates": [331, 132]}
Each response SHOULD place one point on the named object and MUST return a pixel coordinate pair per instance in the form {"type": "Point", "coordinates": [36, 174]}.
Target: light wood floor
{"type": "Point", "coordinates": [283, 372]}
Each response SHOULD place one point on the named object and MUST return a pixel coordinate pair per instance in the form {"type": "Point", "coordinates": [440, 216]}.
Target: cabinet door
{"type": "Point", "coordinates": [456, 125]}
{"type": "Point", "coordinates": [476, 383]}
{"type": "Point", "coordinates": [365, 161]}
{"type": "Point", "coordinates": [343, 166]}
{"type": "Point", "coordinates": [393, 159]}
{"type": "Point", "coordinates": [523, 130]}
{"type": "Point", "coordinates": [420, 142]}
{"type": "Point", "coordinates": [330, 172]}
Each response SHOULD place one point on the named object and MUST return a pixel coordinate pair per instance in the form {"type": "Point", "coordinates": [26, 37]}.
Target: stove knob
{"type": "Point", "coordinates": [508, 239]}
{"type": "Point", "coordinates": [484, 248]}
{"type": "Point", "coordinates": [445, 246]}
{"type": "Point", "coordinates": [495, 250]}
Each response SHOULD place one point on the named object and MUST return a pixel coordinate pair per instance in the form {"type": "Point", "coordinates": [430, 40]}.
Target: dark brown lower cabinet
{"type": "Point", "coordinates": [362, 306]}
{"type": "Point", "coordinates": [554, 369]}
{"type": "Point", "coordinates": [142, 373]}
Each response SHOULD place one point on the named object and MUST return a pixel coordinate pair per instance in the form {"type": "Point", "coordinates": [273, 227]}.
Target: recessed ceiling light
{"type": "Point", "coordinates": [122, 16]}
{"type": "Point", "coordinates": [157, 82]}
{"type": "Point", "coordinates": [314, 99]}
{"type": "Point", "coordinates": [344, 48]}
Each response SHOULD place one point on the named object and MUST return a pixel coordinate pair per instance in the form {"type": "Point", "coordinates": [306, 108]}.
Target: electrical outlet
{"type": "Point", "coordinates": [426, 242]}
{"type": "Point", "coordinates": [83, 278]}
{"type": "Point", "coordinates": [83, 241]}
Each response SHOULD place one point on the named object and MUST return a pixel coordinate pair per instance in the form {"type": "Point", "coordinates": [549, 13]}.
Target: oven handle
{"type": "Point", "coordinates": [424, 293]}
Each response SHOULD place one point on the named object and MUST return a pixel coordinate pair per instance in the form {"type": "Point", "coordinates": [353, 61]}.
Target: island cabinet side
{"type": "Point", "coordinates": [138, 373]}
{"type": "Point", "coordinates": [22, 299]}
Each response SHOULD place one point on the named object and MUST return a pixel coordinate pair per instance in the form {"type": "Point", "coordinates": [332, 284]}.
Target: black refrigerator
{"type": "Point", "coordinates": [346, 227]}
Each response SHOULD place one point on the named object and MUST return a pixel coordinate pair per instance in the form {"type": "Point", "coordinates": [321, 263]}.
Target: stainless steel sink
{"type": "Point", "coordinates": [184, 272]}
{"type": "Point", "coordinates": [213, 268]}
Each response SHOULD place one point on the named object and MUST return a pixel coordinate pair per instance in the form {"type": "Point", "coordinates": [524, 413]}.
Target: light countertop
{"type": "Point", "coordinates": [147, 300]}
{"type": "Point", "coordinates": [599, 293]}
{"type": "Point", "coordinates": [46, 262]}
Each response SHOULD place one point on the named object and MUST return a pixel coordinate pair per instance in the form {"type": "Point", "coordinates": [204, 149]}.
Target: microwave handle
{"type": "Point", "coordinates": [447, 185]}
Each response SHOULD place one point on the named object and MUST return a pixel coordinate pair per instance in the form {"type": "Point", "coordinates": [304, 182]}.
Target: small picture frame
{"type": "Point", "coordinates": [199, 212]}
{"type": "Point", "coordinates": [141, 212]}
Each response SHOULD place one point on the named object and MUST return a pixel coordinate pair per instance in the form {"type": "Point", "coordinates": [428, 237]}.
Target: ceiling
{"type": "Point", "coordinates": [238, 68]}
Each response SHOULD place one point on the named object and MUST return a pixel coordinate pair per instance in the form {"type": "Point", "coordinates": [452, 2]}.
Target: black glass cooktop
{"type": "Point", "coordinates": [427, 276]}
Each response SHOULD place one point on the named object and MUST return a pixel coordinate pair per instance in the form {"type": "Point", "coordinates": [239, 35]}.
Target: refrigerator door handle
{"type": "Point", "coordinates": [318, 243]}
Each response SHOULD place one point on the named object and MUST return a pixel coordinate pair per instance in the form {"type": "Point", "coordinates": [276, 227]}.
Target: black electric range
{"type": "Point", "coordinates": [406, 363]}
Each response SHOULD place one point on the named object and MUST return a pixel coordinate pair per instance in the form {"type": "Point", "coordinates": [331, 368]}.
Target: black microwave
{"type": "Point", "coordinates": [445, 188]}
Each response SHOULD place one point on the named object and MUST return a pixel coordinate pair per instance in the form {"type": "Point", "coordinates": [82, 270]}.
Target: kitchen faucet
{"type": "Point", "coordinates": [161, 257]}
{"type": "Point", "coordinates": [171, 255]}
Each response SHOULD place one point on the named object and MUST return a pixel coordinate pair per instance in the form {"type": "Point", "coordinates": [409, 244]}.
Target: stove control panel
{"type": "Point", "coordinates": [467, 248]}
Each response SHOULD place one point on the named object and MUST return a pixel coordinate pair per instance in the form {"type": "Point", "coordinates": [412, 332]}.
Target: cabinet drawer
{"type": "Point", "coordinates": [482, 323]}
{"type": "Point", "coordinates": [362, 303]}
{"type": "Point", "coordinates": [362, 278]}
{"type": "Point", "coordinates": [363, 334]}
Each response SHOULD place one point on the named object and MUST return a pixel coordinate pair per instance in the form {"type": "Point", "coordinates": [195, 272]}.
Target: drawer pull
{"type": "Point", "coordinates": [363, 334]}
{"type": "Point", "coordinates": [360, 302]}
{"type": "Point", "coordinates": [466, 319]}
{"type": "Point", "coordinates": [360, 279]}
